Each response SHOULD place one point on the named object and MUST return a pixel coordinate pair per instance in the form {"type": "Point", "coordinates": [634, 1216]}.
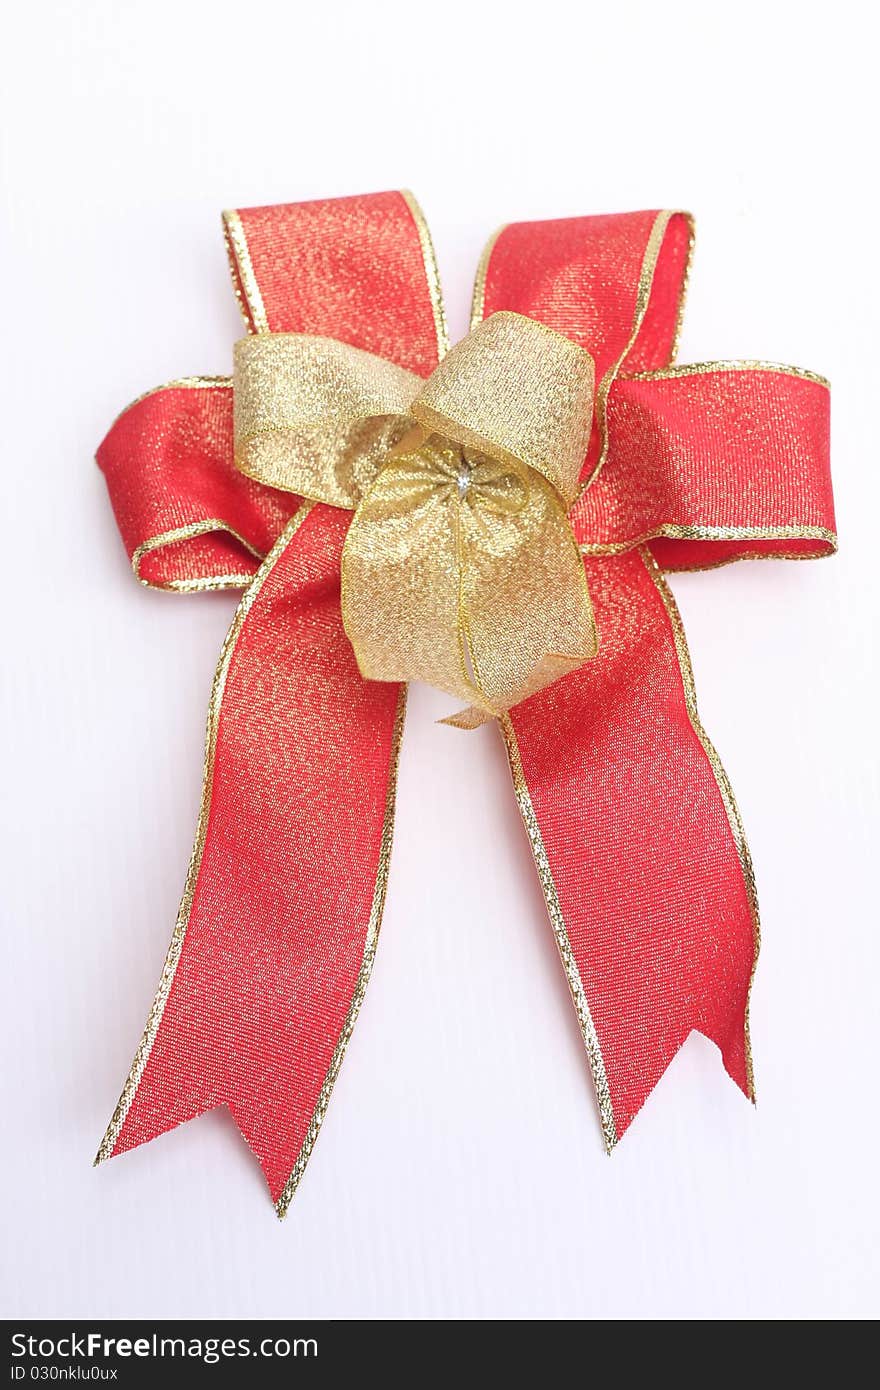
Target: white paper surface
{"type": "Point", "coordinates": [459, 1172]}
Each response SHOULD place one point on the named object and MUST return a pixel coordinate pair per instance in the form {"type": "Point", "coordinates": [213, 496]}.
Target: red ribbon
{"type": "Point", "coordinates": [636, 835]}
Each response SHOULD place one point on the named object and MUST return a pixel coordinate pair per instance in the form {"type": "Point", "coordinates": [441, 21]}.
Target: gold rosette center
{"type": "Point", "coordinates": [460, 567]}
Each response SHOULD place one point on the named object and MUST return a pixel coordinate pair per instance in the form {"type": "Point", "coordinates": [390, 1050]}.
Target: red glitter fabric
{"type": "Point", "coordinates": [631, 810]}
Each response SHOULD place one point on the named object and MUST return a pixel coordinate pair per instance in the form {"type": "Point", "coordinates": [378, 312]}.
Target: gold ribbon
{"type": "Point", "coordinates": [460, 567]}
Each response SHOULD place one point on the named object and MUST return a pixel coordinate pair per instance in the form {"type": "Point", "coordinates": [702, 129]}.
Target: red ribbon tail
{"type": "Point", "coordinates": [640, 848]}
{"type": "Point", "coordinates": [278, 926]}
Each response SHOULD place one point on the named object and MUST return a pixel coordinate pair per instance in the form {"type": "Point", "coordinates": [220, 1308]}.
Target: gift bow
{"type": "Point", "coordinates": [634, 829]}
{"type": "Point", "coordinates": [460, 567]}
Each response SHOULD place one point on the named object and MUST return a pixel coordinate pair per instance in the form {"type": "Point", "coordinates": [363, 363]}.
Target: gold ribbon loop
{"type": "Point", "coordinates": [315, 416]}
{"type": "Point", "coordinates": [519, 392]}
{"type": "Point", "coordinates": [460, 567]}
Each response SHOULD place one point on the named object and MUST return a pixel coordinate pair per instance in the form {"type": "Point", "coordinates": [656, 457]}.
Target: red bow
{"type": "Point", "coordinates": [632, 822]}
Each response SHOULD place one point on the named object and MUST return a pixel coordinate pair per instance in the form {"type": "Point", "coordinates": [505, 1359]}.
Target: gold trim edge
{"type": "Point", "coordinates": [478, 298]}
{"type": "Point", "coordinates": [178, 535]}
{"type": "Point", "coordinates": [726, 364]}
{"type": "Point", "coordinates": [560, 932]}
{"type": "Point", "coordinates": [684, 285]}
{"type": "Point", "coordinates": [674, 531]}
{"type": "Point", "coordinates": [432, 272]}
{"type": "Point", "coordinates": [176, 384]}
{"type": "Point", "coordinates": [244, 279]}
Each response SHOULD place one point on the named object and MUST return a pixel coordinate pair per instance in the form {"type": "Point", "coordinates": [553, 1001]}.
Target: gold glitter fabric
{"type": "Point", "coordinates": [460, 567]}
{"type": "Point", "coordinates": [315, 416]}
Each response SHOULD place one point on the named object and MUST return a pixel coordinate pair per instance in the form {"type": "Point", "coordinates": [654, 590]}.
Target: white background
{"type": "Point", "coordinates": [460, 1171]}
